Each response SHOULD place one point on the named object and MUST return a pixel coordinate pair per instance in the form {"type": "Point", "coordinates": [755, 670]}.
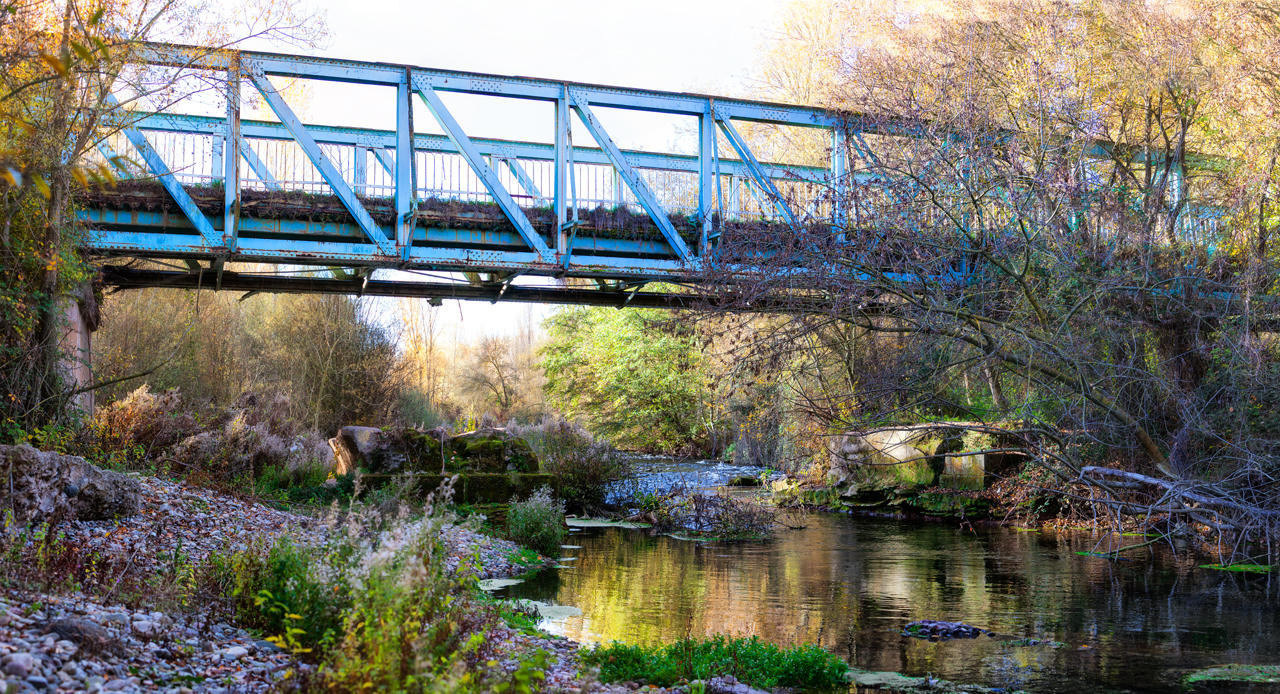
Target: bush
{"type": "Point", "coordinates": [752, 661]}
{"type": "Point", "coordinates": [284, 594]}
{"type": "Point", "coordinates": [537, 522]}
{"type": "Point", "coordinates": [380, 605]}
{"type": "Point", "coordinates": [584, 467]}
{"type": "Point", "coordinates": [135, 430]}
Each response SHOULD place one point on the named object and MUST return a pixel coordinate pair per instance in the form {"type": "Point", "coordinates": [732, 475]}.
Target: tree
{"type": "Point", "coordinates": [633, 377]}
{"type": "Point", "coordinates": [1034, 205]}
{"type": "Point", "coordinates": [58, 64]}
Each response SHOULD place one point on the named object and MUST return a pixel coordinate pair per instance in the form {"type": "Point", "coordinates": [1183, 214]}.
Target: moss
{"type": "Point", "coordinates": [949, 505]}
{"type": "Point", "coordinates": [1241, 568]}
{"type": "Point", "coordinates": [1256, 674]}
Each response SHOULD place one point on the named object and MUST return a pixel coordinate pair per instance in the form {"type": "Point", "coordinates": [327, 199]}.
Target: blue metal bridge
{"type": "Point", "coordinates": [323, 207]}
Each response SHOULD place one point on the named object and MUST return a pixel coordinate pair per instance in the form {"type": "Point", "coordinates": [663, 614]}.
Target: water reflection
{"type": "Point", "coordinates": [850, 585]}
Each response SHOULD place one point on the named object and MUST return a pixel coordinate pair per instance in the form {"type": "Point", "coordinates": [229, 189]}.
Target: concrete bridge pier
{"type": "Point", "coordinates": [80, 319]}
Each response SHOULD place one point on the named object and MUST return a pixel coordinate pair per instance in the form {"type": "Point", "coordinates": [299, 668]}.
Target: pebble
{"type": "Point", "coordinates": [235, 652]}
{"type": "Point", "coordinates": [18, 664]}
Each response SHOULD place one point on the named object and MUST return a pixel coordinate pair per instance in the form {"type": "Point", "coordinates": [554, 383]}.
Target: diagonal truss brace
{"type": "Point", "coordinates": [641, 189]}
{"type": "Point", "coordinates": [757, 172]}
{"type": "Point", "coordinates": [524, 179]}
{"type": "Point", "coordinates": [327, 170]}
{"type": "Point", "coordinates": [155, 165]}
{"type": "Point", "coordinates": [260, 169]}
{"type": "Point", "coordinates": [483, 171]}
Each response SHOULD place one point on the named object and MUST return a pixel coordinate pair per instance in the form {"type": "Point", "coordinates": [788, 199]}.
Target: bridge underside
{"type": "Point", "coordinates": [138, 219]}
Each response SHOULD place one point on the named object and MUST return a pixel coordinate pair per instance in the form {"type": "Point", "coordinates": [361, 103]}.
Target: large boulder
{"type": "Point", "coordinates": [491, 449]}
{"type": "Point", "coordinates": [42, 486]}
{"type": "Point", "coordinates": [909, 455]}
{"type": "Point", "coordinates": [401, 451]}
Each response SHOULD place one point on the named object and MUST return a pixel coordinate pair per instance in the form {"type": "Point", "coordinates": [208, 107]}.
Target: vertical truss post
{"type": "Point", "coordinates": [563, 164]}
{"type": "Point", "coordinates": [641, 189]}
{"type": "Point", "coordinates": [231, 161]}
{"type": "Point", "coordinates": [318, 158]}
{"type": "Point", "coordinates": [706, 175]}
{"type": "Point", "coordinates": [360, 170]}
{"type": "Point", "coordinates": [840, 181]}
{"type": "Point", "coordinates": [215, 160]}
{"type": "Point", "coordinates": [462, 142]}
{"type": "Point", "coordinates": [406, 182]}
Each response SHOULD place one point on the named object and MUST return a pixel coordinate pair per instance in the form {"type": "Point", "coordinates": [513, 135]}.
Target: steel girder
{"type": "Point", "coordinates": [408, 242]}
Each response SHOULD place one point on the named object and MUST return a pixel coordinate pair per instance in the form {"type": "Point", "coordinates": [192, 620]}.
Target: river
{"type": "Point", "coordinates": [851, 584]}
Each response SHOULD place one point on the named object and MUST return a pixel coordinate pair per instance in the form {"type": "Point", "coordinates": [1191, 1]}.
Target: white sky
{"type": "Point", "coordinates": [707, 46]}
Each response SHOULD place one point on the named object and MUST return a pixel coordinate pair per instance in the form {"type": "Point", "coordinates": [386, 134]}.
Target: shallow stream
{"type": "Point", "coordinates": [851, 584]}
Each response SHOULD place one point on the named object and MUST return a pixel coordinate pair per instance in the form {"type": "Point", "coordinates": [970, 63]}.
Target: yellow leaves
{"type": "Point", "coordinates": [12, 176]}
{"type": "Point", "coordinates": [56, 63]}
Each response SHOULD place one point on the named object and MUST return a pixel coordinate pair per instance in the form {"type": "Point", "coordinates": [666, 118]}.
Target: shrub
{"type": "Point", "coordinates": [584, 467]}
{"type": "Point", "coordinates": [284, 593]}
{"type": "Point", "coordinates": [380, 605]}
{"type": "Point", "coordinates": [537, 522]}
{"type": "Point", "coordinates": [135, 429]}
{"type": "Point", "coordinates": [752, 661]}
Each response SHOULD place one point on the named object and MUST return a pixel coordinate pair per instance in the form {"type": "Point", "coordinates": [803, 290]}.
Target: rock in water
{"type": "Point", "coordinates": [935, 630]}
{"type": "Point", "coordinates": [44, 486]}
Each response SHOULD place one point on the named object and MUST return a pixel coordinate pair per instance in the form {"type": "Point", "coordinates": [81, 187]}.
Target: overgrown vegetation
{"type": "Point", "coordinates": [378, 605]}
{"type": "Point", "coordinates": [584, 467]}
{"type": "Point", "coordinates": [750, 660]}
{"type": "Point", "coordinates": [537, 522]}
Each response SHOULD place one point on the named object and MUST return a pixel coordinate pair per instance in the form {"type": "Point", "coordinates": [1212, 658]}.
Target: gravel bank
{"type": "Point", "coordinates": [71, 642]}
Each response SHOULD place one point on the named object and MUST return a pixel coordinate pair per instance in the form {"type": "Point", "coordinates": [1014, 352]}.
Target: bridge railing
{"type": "Point", "coordinates": [684, 196]}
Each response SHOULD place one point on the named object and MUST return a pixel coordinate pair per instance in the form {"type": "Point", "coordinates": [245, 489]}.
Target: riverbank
{"type": "Point", "coordinates": [131, 604]}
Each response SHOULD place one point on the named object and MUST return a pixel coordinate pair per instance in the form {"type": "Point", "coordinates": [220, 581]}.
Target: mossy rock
{"type": "Point", "coordinates": [491, 450]}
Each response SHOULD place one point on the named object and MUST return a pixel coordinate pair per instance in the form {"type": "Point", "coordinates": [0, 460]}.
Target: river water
{"type": "Point", "coordinates": [851, 584]}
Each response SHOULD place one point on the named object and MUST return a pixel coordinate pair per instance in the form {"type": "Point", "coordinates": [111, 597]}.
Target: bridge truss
{"type": "Point", "coordinates": [323, 207]}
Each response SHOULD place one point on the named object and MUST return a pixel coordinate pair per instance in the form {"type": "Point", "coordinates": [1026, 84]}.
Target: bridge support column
{"type": "Point", "coordinates": [80, 319]}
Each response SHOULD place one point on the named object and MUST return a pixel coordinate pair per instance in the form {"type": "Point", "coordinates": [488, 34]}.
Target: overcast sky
{"type": "Point", "coordinates": [708, 46]}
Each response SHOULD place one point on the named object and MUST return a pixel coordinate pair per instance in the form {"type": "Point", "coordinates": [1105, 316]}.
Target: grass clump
{"type": "Point", "coordinates": [537, 522]}
{"type": "Point", "coordinates": [750, 660]}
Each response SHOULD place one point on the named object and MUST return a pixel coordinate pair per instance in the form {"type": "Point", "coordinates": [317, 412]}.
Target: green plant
{"type": "Point", "coordinates": [537, 522]}
{"type": "Point", "coordinates": [283, 592]}
{"type": "Point", "coordinates": [750, 660]}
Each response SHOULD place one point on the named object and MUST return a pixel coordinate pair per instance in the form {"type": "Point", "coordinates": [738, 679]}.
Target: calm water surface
{"type": "Point", "coordinates": [850, 584]}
